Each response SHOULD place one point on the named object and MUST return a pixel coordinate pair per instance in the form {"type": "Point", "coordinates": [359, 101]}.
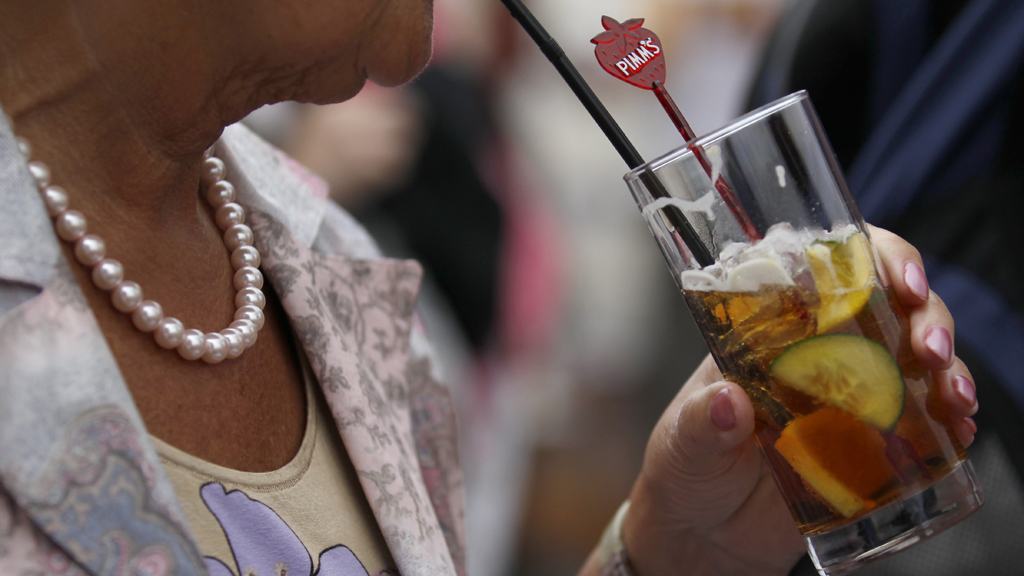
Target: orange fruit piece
{"type": "Point", "coordinates": [839, 457]}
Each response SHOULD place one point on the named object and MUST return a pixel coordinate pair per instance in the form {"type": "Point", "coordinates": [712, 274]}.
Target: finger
{"type": "Point", "coordinates": [903, 266]}
{"type": "Point", "coordinates": [711, 423]}
{"type": "Point", "coordinates": [931, 324]}
{"type": "Point", "coordinates": [957, 390]}
{"type": "Point", "coordinates": [931, 334]}
{"type": "Point", "coordinates": [965, 429]}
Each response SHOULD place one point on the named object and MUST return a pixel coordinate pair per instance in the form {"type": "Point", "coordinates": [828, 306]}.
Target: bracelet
{"type": "Point", "coordinates": [611, 551]}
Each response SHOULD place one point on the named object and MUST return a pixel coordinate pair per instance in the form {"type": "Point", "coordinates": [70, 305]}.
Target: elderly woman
{"type": "Point", "coordinates": [163, 411]}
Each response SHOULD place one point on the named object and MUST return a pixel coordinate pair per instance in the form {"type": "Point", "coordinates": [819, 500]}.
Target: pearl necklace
{"type": "Point", "coordinates": [126, 296]}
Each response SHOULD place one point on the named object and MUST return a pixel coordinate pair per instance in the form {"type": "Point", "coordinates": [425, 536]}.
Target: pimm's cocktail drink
{"type": "Point", "coordinates": [795, 310]}
{"type": "Point", "coordinates": [847, 415]}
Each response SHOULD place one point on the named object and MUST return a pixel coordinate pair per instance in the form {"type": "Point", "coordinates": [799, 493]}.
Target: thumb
{"type": "Point", "coordinates": [710, 432]}
{"type": "Point", "coordinates": [701, 463]}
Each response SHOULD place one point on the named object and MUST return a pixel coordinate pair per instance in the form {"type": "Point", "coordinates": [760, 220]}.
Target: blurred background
{"type": "Point", "coordinates": [560, 330]}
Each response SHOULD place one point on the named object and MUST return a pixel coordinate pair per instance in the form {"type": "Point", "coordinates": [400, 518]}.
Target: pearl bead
{"type": "Point", "coordinates": [169, 333]}
{"type": "Point", "coordinates": [126, 296]}
{"type": "Point", "coordinates": [216, 348]}
{"type": "Point", "coordinates": [148, 316]}
{"type": "Point", "coordinates": [250, 296]}
{"type": "Point", "coordinates": [245, 256]}
{"type": "Point", "coordinates": [248, 276]}
{"type": "Point", "coordinates": [251, 313]}
{"type": "Point", "coordinates": [40, 173]}
{"type": "Point", "coordinates": [107, 274]}
{"type": "Point", "coordinates": [70, 225]}
{"type": "Point", "coordinates": [237, 236]}
{"type": "Point", "coordinates": [234, 339]}
{"type": "Point", "coordinates": [248, 330]}
{"type": "Point", "coordinates": [220, 194]}
{"type": "Point", "coordinates": [229, 214]}
{"type": "Point", "coordinates": [24, 147]}
{"type": "Point", "coordinates": [193, 345]}
{"type": "Point", "coordinates": [90, 249]}
{"type": "Point", "coordinates": [56, 200]}
{"type": "Point", "coordinates": [212, 171]}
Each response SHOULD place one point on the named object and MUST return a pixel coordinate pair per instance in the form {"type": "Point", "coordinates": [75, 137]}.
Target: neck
{"type": "Point", "coordinates": [122, 121]}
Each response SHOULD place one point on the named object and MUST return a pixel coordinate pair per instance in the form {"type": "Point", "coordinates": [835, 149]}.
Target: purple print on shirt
{"type": "Point", "coordinates": [263, 545]}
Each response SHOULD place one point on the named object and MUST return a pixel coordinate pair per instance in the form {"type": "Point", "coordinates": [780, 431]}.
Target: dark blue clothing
{"type": "Point", "coordinates": [923, 101]}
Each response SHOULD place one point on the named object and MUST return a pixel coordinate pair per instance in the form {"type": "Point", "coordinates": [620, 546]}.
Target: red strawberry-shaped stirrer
{"type": "Point", "coordinates": [683, 232]}
{"type": "Point", "coordinates": [634, 55]}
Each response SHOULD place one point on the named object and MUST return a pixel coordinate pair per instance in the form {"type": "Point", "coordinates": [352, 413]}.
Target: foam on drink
{"type": "Point", "coordinates": [779, 259]}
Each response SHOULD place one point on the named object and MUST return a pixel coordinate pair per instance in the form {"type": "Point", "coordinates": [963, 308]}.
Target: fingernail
{"type": "Point", "coordinates": [722, 414]}
{"type": "Point", "coordinates": [970, 422]}
{"type": "Point", "coordinates": [914, 276]}
{"type": "Point", "coordinates": [965, 388]}
{"type": "Point", "coordinates": [937, 340]}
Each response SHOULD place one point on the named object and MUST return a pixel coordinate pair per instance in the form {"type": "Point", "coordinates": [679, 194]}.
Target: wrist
{"type": "Point", "coordinates": [653, 544]}
{"type": "Point", "coordinates": [610, 555]}
{"type": "Point", "coordinates": [658, 541]}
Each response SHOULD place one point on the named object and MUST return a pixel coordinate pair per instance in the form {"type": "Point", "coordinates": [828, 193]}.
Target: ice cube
{"type": "Point", "coordinates": [785, 240]}
{"type": "Point", "coordinates": [754, 275]}
{"type": "Point", "coordinates": [700, 280]}
{"type": "Point", "coordinates": [840, 234]}
{"type": "Point", "coordinates": [778, 259]}
{"type": "Point", "coordinates": [782, 243]}
{"type": "Point", "coordinates": [730, 251]}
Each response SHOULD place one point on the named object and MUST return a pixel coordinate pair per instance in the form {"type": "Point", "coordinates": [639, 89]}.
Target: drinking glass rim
{"type": "Point", "coordinates": [730, 128]}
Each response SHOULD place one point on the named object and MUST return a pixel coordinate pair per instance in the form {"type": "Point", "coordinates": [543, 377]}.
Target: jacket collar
{"type": "Point", "coordinates": [353, 318]}
{"type": "Point", "coordinates": [28, 248]}
{"type": "Point", "coordinates": [270, 181]}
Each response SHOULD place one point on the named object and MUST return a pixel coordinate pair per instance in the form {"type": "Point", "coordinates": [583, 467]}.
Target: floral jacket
{"type": "Point", "coordinates": [81, 488]}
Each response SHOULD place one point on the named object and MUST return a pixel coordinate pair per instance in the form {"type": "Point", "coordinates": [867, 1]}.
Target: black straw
{"type": "Point", "coordinates": [608, 125]}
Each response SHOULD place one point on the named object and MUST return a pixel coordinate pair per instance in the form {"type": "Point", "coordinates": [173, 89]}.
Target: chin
{"type": "Point", "coordinates": [390, 52]}
{"type": "Point", "coordinates": [398, 61]}
{"type": "Point", "coordinates": [398, 74]}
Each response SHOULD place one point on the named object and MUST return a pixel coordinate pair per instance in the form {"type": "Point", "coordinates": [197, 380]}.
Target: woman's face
{"type": "Point", "coordinates": [185, 63]}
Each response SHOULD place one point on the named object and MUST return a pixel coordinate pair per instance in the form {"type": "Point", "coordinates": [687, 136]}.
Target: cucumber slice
{"type": "Point", "coordinates": [850, 372]}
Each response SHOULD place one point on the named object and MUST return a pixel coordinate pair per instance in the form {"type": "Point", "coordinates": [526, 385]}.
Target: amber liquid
{"type": "Point", "coordinates": [747, 331]}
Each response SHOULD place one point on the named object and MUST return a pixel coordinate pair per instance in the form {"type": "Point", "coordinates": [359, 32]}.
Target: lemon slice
{"type": "Point", "coordinates": [753, 275]}
{"type": "Point", "coordinates": [844, 278]}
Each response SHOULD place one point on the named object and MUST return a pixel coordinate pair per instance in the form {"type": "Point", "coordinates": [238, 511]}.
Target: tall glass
{"type": "Point", "coordinates": [850, 422]}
